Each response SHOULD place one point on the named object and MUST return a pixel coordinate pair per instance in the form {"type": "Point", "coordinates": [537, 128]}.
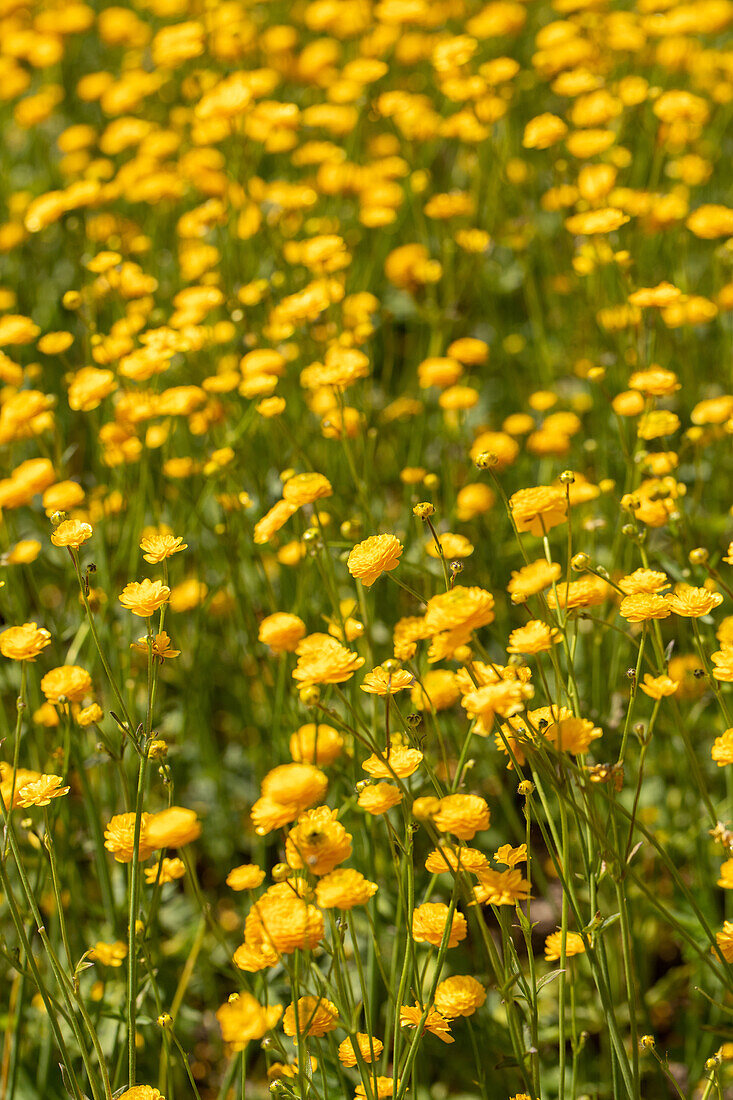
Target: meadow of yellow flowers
{"type": "Point", "coordinates": [366, 550]}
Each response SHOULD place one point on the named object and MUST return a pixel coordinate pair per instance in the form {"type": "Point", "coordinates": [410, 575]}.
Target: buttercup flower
{"type": "Point", "coordinates": [243, 1019]}
{"type": "Point", "coordinates": [538, 510]}
{"type": "Point", "coordinates": [553, 945]}
{"type": "Point", "coordinates": [369, 1049]}
{"type": "Point", "coordinates": [464, 815]}
{"type": "Point", "coordinates": [344, 889]}
{"type": "Point", "coordinates": [692, 602]}
{"type": "Point", "coordinates": [247, 877]}
{"type": "Point", "coordinates": [68, 682]}
{"type": "Point", "coordinates": [315, 1017]}
{"type": "Point", "coordinates": [108, 954]}
{"type": "Point", "coordinates": [429, 922]}
{"type": "Point", "coordinates": [157, 548]}
{"type": "Point", "coordinates": [72, 533]}
{"type": "Point", "coordinates": [376, 555]}
{"type": "Point", "coordinates": [431, 1020]}
{"type": "Point", "coordinates": [378, 798]}
{"type": "Point", "coordinates": [381, 682]}
{"type": "Point", "coordinates": [143, 598]}
{"type": "Point", "coordinates": [24, 643]}
{"type": "Point", "coordinates": [318, 842]}
{"type": "Point", "coordinates": [460, 995]}
{"type": "Point", "coordinates": [282, 632]}
{"type": "Point", "coordinates": [41, 791]}
{"type": "Point", "coordinates": [316, 743]}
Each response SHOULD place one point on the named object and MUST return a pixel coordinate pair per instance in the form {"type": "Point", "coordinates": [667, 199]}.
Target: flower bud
{"type": "Point", "coordinates": [580, 562]}
{"type": "Point", "coordinates": [486, 460]}
{"type": "Point", "coordinates": [281, 872]}
{"type": "Point", "coordinates": [698, 556]}
{"type": "Point", "coordinates": [423, 510]}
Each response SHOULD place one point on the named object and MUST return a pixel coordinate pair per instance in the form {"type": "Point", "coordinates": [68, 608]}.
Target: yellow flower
{"type": "Point", "coordinates": [324, 660]}
{"type": "Point", "coordinates": [379, 798]}
{"type": "Point", "coordinates": [306, 488]}
{"type": "Point", "coordinates": [500, 887]}
{"type": "Point", "coordinates": [24, 552]}
{"type": "Point", "coordinates": [312, 1016]}
{"type": "Point", "coordinates": [453, 546]}
{"type": "Point", "coordinates": [644, 606]}
{"type": "Point", "coordinates": [157, 548]}
{"type": "Point", "coordinates": [726, 875]}
{"type": "Point", "coordinates": [246, 877]}
{"type": "Point", "coordinates": [429, 922]}
{"type": "Point", "coordinates": [72, 533]}
{"type": "Point", "coordinates": [691, 602]}
{"type": "Point", "coordinates": [24, 643]}
{"type": "Point", "coordinates": [172, 828]}
{"type": "Point", "coordinates": [644, 581]}
{"type": "Point", "coordinates": [144, 597]}
{"type": "Point", "coordinates": [161, 646]}
{"type": "Point", "coordinates": [657, 687]}
{"type": "Point", "coordinates": [385, 1089]}
{"type": "Point", "coordinates": [318, 842]}
{"type": "Point", "coordinates": [722, 750]}
{"type": "Point", "coordinates": [434, 1022]}
{"type": "Point", "coordinates": [41, 791]}
{"type": "Point", "coordinates": [533, 578]}
{"type": "Point", "coordinates": [447, 858]}
{"type": "Point", "coordinates": [243, 1019]}
{"type": "Point", "coordinates": [344, 889]}
{"type": "Point", "coordinates": [460, 995]}
{"type": "Point", "coordinates": [381, 682]}
{"type": "Point", "coordinates": [534, 637]}
{"type": "Point", "coordinates": [376, 555]}
{"type": "Point", "coordinates": [167, 870]}
{"type": "Point", "coordinates": [297, 786]}
{"type": "Point", "coordinates": [90, 715]}
{"type": "Point", "coordinates": [109, 954]}
{"type": "Point", "coordinates": [724, 940]}
{"type": "Point", "coordinates": [282, 922]}
{"type": "Point", "coordinates": [370, 1049]}
{"type": "Point", "coordinates": [119, 837]}
{"type": "Point", "coordinates": [69, 682]}
{"type": "Point", "coordinates": [509, 856]}
{"type": "Point", "coordinates": [573, 945]}
{"type": "Point", "coordinates": [316, 743]}
{"type": "Point", "coordinates": [399, 760]}
{"type": "Point", "coordinates": [282, 632]}
{"type": "Point", "coordinates": [464, 815]}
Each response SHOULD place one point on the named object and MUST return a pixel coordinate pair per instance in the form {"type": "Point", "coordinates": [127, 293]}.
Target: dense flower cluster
{"type": "Point", "coordinates": [372, 357]}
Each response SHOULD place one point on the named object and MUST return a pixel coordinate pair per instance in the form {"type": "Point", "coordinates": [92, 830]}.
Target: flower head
{"type": "Point", "coordinates": [538, 509]}
{"type": "Point", "coordinates": [40, 791]}
{"type": "Point", "coordinates": [574, 945]}
{"type": "Point", "coordinates": [24, 643]}
{"type": "Point", "coordinates": [144, 597]}
{"type": "Point", "coordinates": [459, 995]}
{"type": "Point", "coordinates": [72, 533]}
{"type": "Point", "coordinates": [243, 1019]}
{"type": "Point", "coordinates": [157, 548]}
{"type": "Point", "coordinates": [376, 555]}
{"type": "Point", "coordinates": [344, 889]}
{"type": "Point", "coordinates": [68, 682]}
{"type": "Point", "coordinates": [369, 1049]}
{"type": "Point", "coordinates": [312, 1016]}
{"type": "Point", "coordinates": [429, 923]}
